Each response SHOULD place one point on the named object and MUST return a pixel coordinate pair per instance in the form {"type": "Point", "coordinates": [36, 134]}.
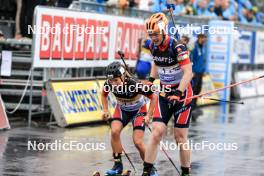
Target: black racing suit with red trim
{"type": "Point", "coordinates": [131, 104]}
{"type": "Point", "coordinates": [169, 59]}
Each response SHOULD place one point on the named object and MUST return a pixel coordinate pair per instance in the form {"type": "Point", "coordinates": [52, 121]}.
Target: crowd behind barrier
{"type": "Point", "coordinates": [245, 11]}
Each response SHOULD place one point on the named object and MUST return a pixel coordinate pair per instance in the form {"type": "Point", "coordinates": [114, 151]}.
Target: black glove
{"type": "Point", "coordinates": [174, 97]}
{"type": "Point", "coordinates": [151, 79]}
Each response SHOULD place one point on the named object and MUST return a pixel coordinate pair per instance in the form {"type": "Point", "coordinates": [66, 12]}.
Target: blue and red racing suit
{"type": "Point", "coordinates": [131, 104]}
{"type": "Point", "coordinates": [169, 57]}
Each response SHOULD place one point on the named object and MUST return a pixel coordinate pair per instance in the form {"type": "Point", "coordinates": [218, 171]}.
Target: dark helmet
{"type": "Point", "coordinates": [114, 70]}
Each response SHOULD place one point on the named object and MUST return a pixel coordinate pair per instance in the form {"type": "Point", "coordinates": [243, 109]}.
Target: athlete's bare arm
{"type": "Point", "coordinates": [104, 100]}
{"type": "Point", "coordinates": [154, 70]}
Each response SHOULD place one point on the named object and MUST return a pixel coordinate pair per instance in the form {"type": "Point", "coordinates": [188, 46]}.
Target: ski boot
{"type": "Point", "coordinates": [116, 170]}
{"type": "Point", "coordinates": [153, 172]}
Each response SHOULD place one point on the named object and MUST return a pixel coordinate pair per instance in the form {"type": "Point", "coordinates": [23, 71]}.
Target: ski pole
{"type": "Point", "coordinates": [223, 88]}
{"type": "Point", "coordinates": [225, 101]}
{"type": "Point", "coordinates": [171, 7]}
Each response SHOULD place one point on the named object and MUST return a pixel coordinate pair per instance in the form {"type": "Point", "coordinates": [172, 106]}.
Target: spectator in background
{"type": "Point", "coordinates": [185, 40]}
{"type": "Point", "coordinates": [26, 16]}
{"type": "Point", "coordinates": [225, 10]}
{"type": "Point", "coordinates": [159, 6]}
{"type": "Point", "coordinates": [247, 16]}
{"type": "Point", "coordinates": [244, 4]}
{"type": "Point", "coordinates": [64, 3]}
{"type": "Point", "coordinates": [246, 12]}
{"type": "Point", "coordinates": [144, 4]}
{"type": "Point", "coordinates": [123, 5]}
{"type": "Point", "coordinates": [205, 9]}
{"type": "Point", "coordinates": [133, 3]}
{"type": "Point", "coordinates": [100, 9]}
{"type": "Point", "coordinates": [190, 7]}
{"type": "Point", "coordinates": [229, 10]}
{"type": "Point", "coordinates": [143, 65]}
{"type": "Point", "coordinates": [217, 8]}
{"type": "Point", "coordinates": [18, 13]}
{"type": "Point", "coordinates": [211, 10]}
{"type": "Point", "coordinates": [259, 15]}
{"type": "Point", "coordinates": [198, 57]}
{"type": "Point", "coordinates": [112, 3]}
{"type": "Point", "coordinates": [201, 9]}
{"type": "Point", "coordinates": [179, 8]}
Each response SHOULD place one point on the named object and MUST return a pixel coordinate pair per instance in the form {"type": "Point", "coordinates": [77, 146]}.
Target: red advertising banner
{"type": "Point", "coordinates": [64, 38]}
{"type": "Point", "coordinates": [127, 39]}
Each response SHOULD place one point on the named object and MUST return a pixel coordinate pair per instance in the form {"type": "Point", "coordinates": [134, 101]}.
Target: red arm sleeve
{"type": "Point", "coordinates": [185, 62]}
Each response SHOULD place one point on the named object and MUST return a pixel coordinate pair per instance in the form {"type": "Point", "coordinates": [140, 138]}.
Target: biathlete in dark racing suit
{"type": "Point", "coordinates": [131, 106]}
{"type": "Point", "coordinates": [173, 66]}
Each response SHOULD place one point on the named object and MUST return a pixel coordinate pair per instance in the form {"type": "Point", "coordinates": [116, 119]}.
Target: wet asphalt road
{"type": "Point", "coordinates": [240, 133]}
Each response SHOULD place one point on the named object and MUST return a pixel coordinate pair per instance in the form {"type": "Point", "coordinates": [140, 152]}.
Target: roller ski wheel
{"type": "Point", "coordinates": [126, 173]}
{"type": "Point", "coordinates": [96, 173]}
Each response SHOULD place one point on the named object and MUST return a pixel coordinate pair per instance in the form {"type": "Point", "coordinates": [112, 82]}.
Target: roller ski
{"type": "Point", "coordinates": [96, 173]}
{"type": "Point", "coordinates": [117, 170]}
{"type": "Point", "coordinates": [124, 173]}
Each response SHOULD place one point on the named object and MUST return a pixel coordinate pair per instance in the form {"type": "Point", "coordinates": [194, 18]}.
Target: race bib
{"type": "Point", "coordinates": [132, 106]}
{"type": "Point", "coordinates": [170, 75]}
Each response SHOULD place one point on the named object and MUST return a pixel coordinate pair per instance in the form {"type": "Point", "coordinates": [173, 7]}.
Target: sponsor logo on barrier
{"type": "Point", "coordinates": [70, 37]}
{"type": "Point", "coordinates": [65, 38]}
{"type": "Point", "coordinates": [127, 36]}
{"type": "Point", "coordinates": [77, 101]}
